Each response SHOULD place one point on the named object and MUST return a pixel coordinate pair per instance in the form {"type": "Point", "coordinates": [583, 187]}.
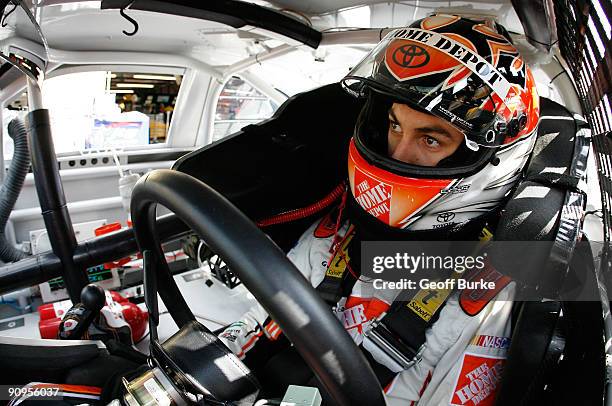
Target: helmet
{"type": "Point", "coordinates": [463, 71]}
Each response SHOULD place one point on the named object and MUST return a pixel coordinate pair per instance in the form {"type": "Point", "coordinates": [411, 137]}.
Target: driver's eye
{"type": "Point", "coordinates": [431, 142]}
{"type": "Point", "coordinates": [394, 126]}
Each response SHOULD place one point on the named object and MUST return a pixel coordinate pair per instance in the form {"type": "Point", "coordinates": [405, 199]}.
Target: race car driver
{"type": "Point", "coordinates": [448, 124]}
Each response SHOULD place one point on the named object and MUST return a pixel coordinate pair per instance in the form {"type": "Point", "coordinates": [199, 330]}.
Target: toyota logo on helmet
{"type": "Point", "coordinates": [466, 73]}
{"type": "Point", "coordinates": [411, 56]}
{"type": "Point", "coordinates": [445, 217]}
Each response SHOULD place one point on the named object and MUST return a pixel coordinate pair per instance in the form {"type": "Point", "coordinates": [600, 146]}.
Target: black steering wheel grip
{"type": "Point", "coordinates": [266, 272]}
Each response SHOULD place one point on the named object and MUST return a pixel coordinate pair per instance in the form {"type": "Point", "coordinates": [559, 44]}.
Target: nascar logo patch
{"type": "Point", "coordinates": [491, 341]}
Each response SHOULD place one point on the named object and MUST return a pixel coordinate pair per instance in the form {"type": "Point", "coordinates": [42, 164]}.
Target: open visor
{"type": "Point", "coordinates": [371, 142]}
{"type": "Point", "coordinates": [437, 75]}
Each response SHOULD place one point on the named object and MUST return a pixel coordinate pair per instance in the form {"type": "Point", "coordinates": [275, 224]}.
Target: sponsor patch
{"type": "Point", "coordinates": [477, 381]}
{"type": "Point", "coordinates": [353, 316]}
{"type": "Point", "coordinates": [407, 59]}
{"type": "Point", "coordinates": [337, 265]}
{"type": "Point", "coordinates": [472, 301]}
{"type": "Point", "coordinates": [452, 48]}
{"type": "Point", "coordinates": [354, 320]}
{"type": "Point", "coordinates": [373, 195]}
{"type": "Point", "coordinates": [232, 331]}
{"type": "Point", "coordinates": [427, 302]}
{"type": "Point", "coordinates": [410, 55]}
{"type": "Point", "coordinates": [485, 234]}
{"type": "Point", "coordinates": [445, 217]}
{"type": "Point", "coordinates": [455, 189]}
{"type": "Point", "coordinates": [488, 341]}
{"type": "Point", "coordinates": [229, 336]}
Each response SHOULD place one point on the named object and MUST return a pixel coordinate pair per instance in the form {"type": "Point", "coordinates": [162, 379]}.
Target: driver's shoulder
{"type": "Point", "coordinates": [313, 249]}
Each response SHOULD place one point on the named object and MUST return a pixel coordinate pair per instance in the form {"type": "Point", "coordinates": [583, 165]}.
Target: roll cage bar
{"type": "Point", "coordinates": [234, 13]}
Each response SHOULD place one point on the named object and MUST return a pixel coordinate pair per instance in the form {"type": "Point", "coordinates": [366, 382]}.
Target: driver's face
{"type": "Point", "coordinates": [418, 138]}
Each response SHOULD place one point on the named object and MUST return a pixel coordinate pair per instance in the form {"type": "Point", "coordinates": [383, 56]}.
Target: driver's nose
{"type": "Point", "coordinates": [405, 150]}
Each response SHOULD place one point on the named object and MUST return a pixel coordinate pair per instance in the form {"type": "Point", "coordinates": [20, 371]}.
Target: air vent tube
{"type": "Point", "coordinates": [12, 187]}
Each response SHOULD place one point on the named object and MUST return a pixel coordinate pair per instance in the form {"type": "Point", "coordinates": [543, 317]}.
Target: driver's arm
{"type": "Point", "coordinates": [242, 335]}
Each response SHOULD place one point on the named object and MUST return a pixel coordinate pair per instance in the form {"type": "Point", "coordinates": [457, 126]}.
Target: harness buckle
{"type": "Point", "coordinates": [388, 349]}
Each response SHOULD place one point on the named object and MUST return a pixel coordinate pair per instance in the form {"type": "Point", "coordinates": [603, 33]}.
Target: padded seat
{"type": "Point", "coordinates": [549, 336]}
{"type": "Point", "coordinates": [13, 348]}
{"type": "Point", "coordinates": [76, 362]}
{"type": "Point", "coordinates": [26, 359]}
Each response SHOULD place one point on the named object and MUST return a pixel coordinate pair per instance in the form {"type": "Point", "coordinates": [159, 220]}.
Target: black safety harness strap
{"type": "Point", "coordinates": [399, 333]}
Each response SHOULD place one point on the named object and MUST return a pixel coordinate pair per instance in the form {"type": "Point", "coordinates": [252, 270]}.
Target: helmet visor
{"type": "Point", "coordinates": [372, 138]}
{"type": "Point", "coordinates": [440, 75]}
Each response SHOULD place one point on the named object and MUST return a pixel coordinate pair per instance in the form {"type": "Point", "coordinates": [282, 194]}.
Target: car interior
{"type": "Point", "coordinates": [236, 204]}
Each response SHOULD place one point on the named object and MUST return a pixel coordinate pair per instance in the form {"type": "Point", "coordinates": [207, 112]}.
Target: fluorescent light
{"type": "Point", "coordinates": [113, 75]}
{"type": "Point", "coordinates": [121, 91]}
{"type": "Point", "coordinates": [136, 85]}
{"type": "Point", "coordinates": [154, 77]}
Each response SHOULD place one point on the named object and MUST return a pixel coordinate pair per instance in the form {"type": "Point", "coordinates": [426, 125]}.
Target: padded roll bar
{"type": "Point", "coordinates": [110, 247]}
{"type": "Point", "coordinates": [234, 13]}
{"type": "Point", "coordinates": [53, 201]}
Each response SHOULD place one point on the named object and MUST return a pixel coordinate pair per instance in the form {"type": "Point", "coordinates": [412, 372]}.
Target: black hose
{"type": "Point", "coordinates": [12, 187]}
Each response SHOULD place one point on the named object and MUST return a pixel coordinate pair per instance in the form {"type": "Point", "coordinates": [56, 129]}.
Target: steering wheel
{"type": "Point", "coordinates": [264, 269]}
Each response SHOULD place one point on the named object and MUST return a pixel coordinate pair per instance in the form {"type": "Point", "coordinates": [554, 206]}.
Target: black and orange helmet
{"type": "Point", "coordinates": [466, 72]}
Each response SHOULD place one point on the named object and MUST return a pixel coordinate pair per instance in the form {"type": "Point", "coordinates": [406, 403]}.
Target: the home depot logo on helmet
{"type": "Point", "coordinates": [373, 195]}
{"type": "Point", "coordinates": [477, 381]}
{"type": "Point", "coordinates": [446, 51]}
